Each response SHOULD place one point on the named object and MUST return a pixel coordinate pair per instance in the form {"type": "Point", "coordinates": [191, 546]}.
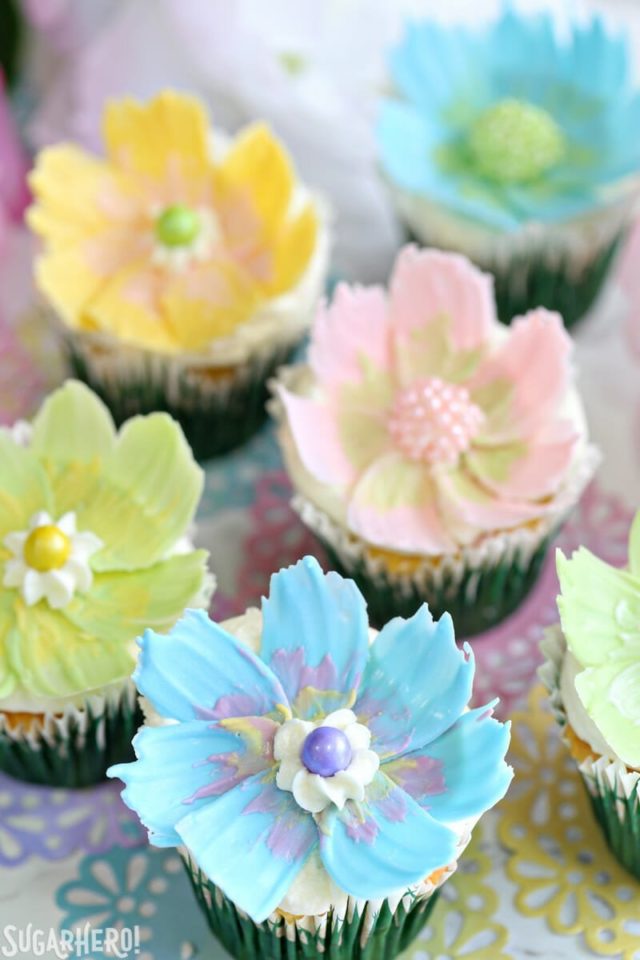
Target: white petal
{"type": "Point", "coordinates": [14, 573]}
{"type": "Point", "coordinates": [339, 718]}
{"type": "Point", "coordinates": [81, 572]}
{"type": "Point", "coordinates": [358, 736]}
{"type": "Point", "coordinates": [33, 587]}
{"type": "Point", "coordinates": [40, 519]}
{"type": "Point", "coordinates": [287, 772]}
{"type": "Point", "coordinates": [309, 791]}
{"type": "Point", "coordinates": [342, 787]}
{"type": "Point", "coordinates": [15, 542]}
{"type": "Point", "coordinates": [85, 544]}
{"type": "Point", "coordinates": [288, 741]}
{"type": "Point", "coordinates": [364, 766]}
{"type": "Point", "coordinates": [59, 587]}
{"type": "Point", "coordinates": [67, 523]}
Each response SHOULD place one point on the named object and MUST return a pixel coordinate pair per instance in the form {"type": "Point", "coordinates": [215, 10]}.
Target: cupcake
{"type": "Point", "coordinates": [182, 267]}
{"type": "Point", "coordinates": [93, 547]}
{"type": "Point", "coordinates": [517, 149]}
{"type": "Point", "coordinates": [320, 781]}
{"type": "Point", "coordinates": [592, 671]}
{"type": "Point", "coordinates": [434, 452]}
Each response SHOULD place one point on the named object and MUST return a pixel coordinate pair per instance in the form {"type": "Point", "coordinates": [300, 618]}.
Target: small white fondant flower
{"type": "Point", "coordinates": [50, 560]}
{"type": "Point", "coordinates": [320, 767]}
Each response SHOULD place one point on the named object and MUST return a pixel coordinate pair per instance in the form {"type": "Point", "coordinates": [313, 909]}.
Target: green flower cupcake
{"type": "Point", "coordinates": [593, 675]}
{"type": "Point", "coordinates": [93, 548]}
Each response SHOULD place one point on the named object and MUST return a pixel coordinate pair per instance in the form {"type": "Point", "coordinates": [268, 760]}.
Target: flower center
{"type": "Point", "coordinates": [177, 226]}
{"type": "Point", "coordinates": [434, 421]}
{"type": "Point", "coordinates": [47, 548]}
{"type": "Point", "coordinates": [515, 141]}
{"type": "Point", "coordinates": [326, 751]}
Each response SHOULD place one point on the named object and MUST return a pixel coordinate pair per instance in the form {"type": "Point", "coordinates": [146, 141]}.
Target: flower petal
{"type": "Point", "coordinates": [183, 765]}
{"type": "Point", "coordinates": [317, 439]}
{"type": "Point", "coordinates": [387, 842]}
{"type": "Point", "coordinates": [395, 502]}
{"type": "Point", "coordinates": [24, 489]}
{"type": "Point", "coordinates": [609, 693]}
{"type": "Point", "coordinates": [73, 424]}
{"type": "Point", "coordinates": [199, 671]}
{"type": "Point", "coordinates": [416, 685]}
{"type": "Point", "coordinates": [349, 335]}
{"type": "Point", "coordinates": [8, 679]}
{"type": "Point", "coordinates": [315, 637]}
{"type": "Point", "coordinates": [469, 509]}
{"type": "Point", "coordinates": [122, 605]}
{"type": "Point", "coordinates": [462, 773]}
{"type": "Point", "coordinates": [255, 830]}
{"type": "Point", "coordinates": [524, 382]}
{"type": "Point", "coordinates": [145, 497]}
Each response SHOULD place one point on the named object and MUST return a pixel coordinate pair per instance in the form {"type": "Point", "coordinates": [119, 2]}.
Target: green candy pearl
{"type": "Point", "coordinates": [515, 141]}
{"type": "Point", "coordinates": [177, 226]}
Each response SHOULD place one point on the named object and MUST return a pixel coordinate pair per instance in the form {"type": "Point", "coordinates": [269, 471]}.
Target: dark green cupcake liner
{"type": "Point", "coordinates": [357, 937]}
{"type": "Point", "coordinates": [619, 816]}
{"type": "Point", "coordinates": [531, 280]}
{"type": "Point", "coordinates": [216, 415]}
{"type": "Point", "coordinates": [76, 749]}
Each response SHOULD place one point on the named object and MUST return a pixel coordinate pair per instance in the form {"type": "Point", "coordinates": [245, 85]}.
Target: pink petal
{"type": "Point", "coordinates": [394, 506]}
{"type": "Point", "coordinates": [315, 432]}
{"type": "Point", "coordinates": [535, 362]}
{"type": "Point", "coordinates": [351, 329]}
{"type": "Point", "coordinates": [429, 284]}
{"type": "Point", "coordinates": [529, 470]}
{"type": "Point", "coordinates": [470, 510]}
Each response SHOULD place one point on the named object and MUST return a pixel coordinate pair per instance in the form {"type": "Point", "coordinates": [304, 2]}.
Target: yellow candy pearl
{"type": "Point", "coordinates": [47, 548]}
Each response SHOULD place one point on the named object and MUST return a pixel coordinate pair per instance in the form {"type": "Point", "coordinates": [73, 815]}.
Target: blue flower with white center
{"type": "Point", "coordinates": [510, 124]}
{"type": "Point", "coordinates": [316, 744]}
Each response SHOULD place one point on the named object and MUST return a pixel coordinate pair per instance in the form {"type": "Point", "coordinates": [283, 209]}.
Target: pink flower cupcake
{"type": "Point", "coordinates": [434, 452]}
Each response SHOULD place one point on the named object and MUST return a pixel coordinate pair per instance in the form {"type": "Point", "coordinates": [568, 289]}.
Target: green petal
{"type": "Point", "coordinates": [611, 696]}
{"type": "Point", "coordinates": [73, 424]}
{"type": "Point", "coordinates": [55, 658]}
{"type": "Point", "coordinates": [7, 624]}
{"type": "Point", "coordinates": [24, 488]}
{"type": "Point", "coordinates": [121, 606]}
{"type": "Point", "coordinates": [147, 496]}
{"type": "Point", "coordinates": [599, 608]}
{"type": "Point", "coordinates": [634, 545]}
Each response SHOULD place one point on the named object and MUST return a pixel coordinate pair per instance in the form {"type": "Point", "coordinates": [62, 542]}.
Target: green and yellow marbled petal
{"type": "Point", "coordinates": [73, 424]}
{"type": "Point", "coordinates": [24, 487]}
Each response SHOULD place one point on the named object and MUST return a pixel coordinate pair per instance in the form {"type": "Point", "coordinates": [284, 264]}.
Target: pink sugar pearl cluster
{"type": "Point", "coordinates": [434, 421]}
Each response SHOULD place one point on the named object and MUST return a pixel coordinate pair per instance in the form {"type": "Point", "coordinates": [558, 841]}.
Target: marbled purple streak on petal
{"type": "Point", "coordinates": [319, 688]}
{"type": "Point", "coordinates": [420, 776]}
{"type": "Point", "coordinates": [239, 704]}
{"type": "Point", "coordinates": [392, 728]}
{"type": "Point", "coordinates": [361, 830]}
{"type": "Point", "coordinates": [288, 836]}
{"type": "Point", "coordinates": [393, 807]}
{"type": "Point", "coordinates": [255, 753]}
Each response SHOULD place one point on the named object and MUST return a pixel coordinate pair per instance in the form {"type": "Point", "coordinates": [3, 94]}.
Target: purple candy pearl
{"type": "Point", "coordinates": [326, 751]}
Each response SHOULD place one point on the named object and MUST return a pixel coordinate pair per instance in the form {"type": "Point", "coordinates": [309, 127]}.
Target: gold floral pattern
{"type": "Point", "coordinates": [560, 863]}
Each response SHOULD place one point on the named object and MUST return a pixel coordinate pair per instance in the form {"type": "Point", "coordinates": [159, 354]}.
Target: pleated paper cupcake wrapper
{"type": "Point", "coordinates": [367, 931]}
{"type": "Point", "coordinates": [218, 408]}
{"type": "Point", "coordinates": [74, 748]}
{"type": "Point", "coordinates": [613, 789]}
{"type": "Point", "coordinates": [479, 586]}
{"type": "Point", "coordinates": [562, 267]}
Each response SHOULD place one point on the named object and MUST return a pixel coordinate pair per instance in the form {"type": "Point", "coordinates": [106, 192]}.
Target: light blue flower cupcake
{"type": "Point", "coordinates": [519, 149]}
{"type": "Point", "coordinates": [320, 784]}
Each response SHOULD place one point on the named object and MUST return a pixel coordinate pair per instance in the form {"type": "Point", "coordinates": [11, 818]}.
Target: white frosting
{"type": "Point", "coordinates": [311, 791]}
{"type": "Point", "coordinates": [57, 586]}
{"type": "Point", "coordinates": [577, 716]}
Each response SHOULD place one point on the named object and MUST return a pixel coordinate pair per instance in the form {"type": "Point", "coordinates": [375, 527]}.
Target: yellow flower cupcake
{"type": "Point", "coordinates": [183, 267]}
{"type": "Point", "coordinates": [94, 548]}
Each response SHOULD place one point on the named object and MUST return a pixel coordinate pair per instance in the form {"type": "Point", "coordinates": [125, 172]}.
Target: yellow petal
{"type": "Point", "coordinates": [257, 167]}
{"type": "Point", "coordinates": [293, 250]}
{"type": "Point", "coordinates": [129, 306]}
{"type": "Point", "coordinates": [171, 129]}
{"type": "Point", "coordinates": [68, 283]}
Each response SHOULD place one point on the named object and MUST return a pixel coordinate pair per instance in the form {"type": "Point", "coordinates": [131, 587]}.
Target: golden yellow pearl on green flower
{"type": "Point", "coordinates": [177, 226]}
{"type": "Point", "coordinates": [47, 548]}
{"type": "Point", "coordinates": [515, 141]}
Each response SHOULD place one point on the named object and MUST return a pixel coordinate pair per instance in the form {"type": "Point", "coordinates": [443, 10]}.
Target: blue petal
{"type": "Point", "coordinates": [315, 637]}
{"type": "Point", "coordinates": [252, 842]}
{"type": "Point", "coordinates": [462, 773]}
{"type": "Point", "coordinates": [387, 843]}
{"type": "Point", "coordinates": [198, 671]}
{"type": "Point", "coordinates": [416, 685]}
{"type": "Point", "coordinates": [183, 765]}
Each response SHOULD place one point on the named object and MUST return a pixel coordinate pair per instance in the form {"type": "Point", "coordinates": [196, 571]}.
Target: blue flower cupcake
{"type": "Point", "coordinates": [517, 149]}
{"type": "Point", "coordinates": [321, 781]}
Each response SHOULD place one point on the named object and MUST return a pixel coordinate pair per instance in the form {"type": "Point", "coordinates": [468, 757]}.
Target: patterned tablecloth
{"type": "Point", "coordinates": [537, 880]}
